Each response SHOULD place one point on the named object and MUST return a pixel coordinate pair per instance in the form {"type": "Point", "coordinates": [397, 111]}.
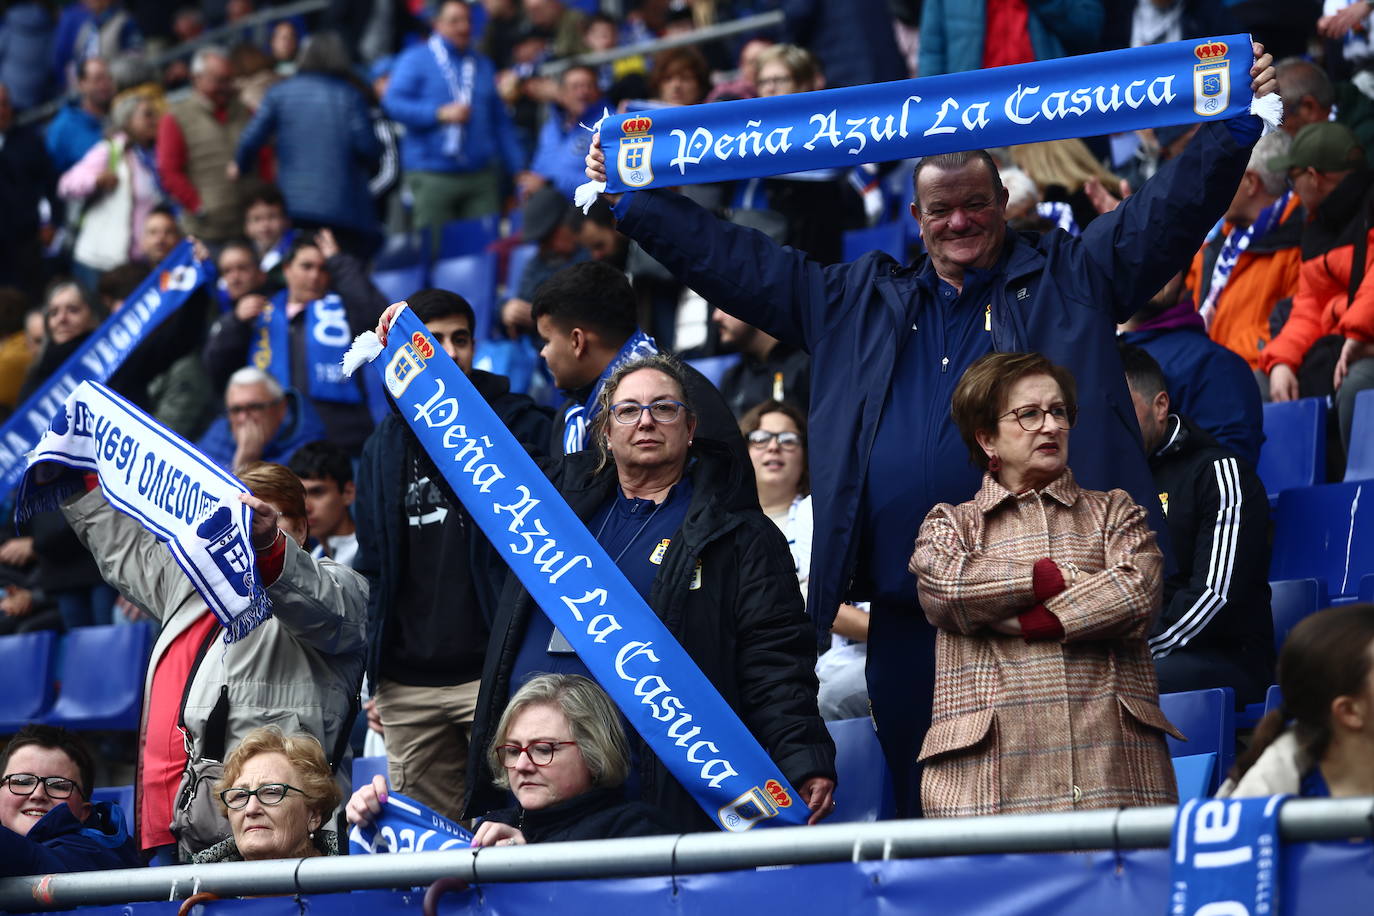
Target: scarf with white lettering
{"type": "Point", "coordinates": [460, 86]}
{"type": "Point", "coordinates": [165, 290]}
{"type": "Point", "coordinates": [164, 483]}
{"type": "Point", "coordinates": [576, 420]}
{"type": "Point", "coordinates": [327, 338]}
{"type": "Point", "coordinates": [1177, 83]}
{"type": "Point", "coordinates": [1226, 856]}
{"type": "Point", "coordinates": [1233, 248]}
{"type": "Point", "coordinates": [405, 825]}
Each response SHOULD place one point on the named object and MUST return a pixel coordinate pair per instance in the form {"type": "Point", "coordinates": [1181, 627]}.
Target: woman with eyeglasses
{"type": "Point", "coordinates": [277, 792]}
{"type": "Point", "coordinates": [679, 516]}
{"type": "Point", "coordinates": [560, 749]}
{"type": "Point", "coordinates": [48, 823]}
{"type": "Point", "coordinates": [776, 434]}
{"type": "Point", "coordinates": [1043, 593]}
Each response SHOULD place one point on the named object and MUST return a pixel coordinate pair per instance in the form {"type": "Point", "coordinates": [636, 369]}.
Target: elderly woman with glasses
{"type": "Point", "coordinates": [48, 823]}
{"type": "Point", "coordinates": [1043, 593]}
{"type": "Point", "coordinates": [278, 792]}
{"type": "Point", "coordinates": [679, 516]}
{"type": "Point", "coordinates": [560, 749]}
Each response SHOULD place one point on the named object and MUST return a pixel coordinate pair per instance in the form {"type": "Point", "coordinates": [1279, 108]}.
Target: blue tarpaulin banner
{"type": "Point", "coordinates": [661, 691]}
{"type": "Point", "coordinates": [1225, 857]}
{"type": "Point", "coordinates": [1176, 83]}
{"type": "Point", "coordinates": [167, 288]}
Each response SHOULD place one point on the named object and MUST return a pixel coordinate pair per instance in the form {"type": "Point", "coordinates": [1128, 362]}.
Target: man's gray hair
{"type": "Point", "coordinates": [204, 55]}
{"type": "Point", "coordinates": [593, 718]}
{"type": "Point", "coordinates": [1270, 146]}
{"type": "Point", "coordinates": [1298, 78]}
{"type": "Point", "coordinates": [252, 375]}
{"type": "Point", "coordinates": [952, 161]}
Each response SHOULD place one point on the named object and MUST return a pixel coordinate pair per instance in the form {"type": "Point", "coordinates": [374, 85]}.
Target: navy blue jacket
{"type": "Point", "coordinates": [853, 40]}
{"type": "Point", "coordinates": [1059, 295]}
{"type": "Point", "coordinates": [327, 150]}
{"type": "Point", "coordinates": [60, 843]}
{"type": "Point", "coordinates": [301, 425]}
{"type": "Point", "coordinates": [1208, 384]}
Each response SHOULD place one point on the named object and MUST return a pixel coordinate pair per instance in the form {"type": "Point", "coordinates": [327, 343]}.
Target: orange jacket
{"type": "Point", "coordinates": [1323, 306]}
{"type": "Point", "coordinates": [1265, 272]}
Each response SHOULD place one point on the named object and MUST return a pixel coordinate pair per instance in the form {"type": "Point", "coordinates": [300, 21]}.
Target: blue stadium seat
{"type": "Point", "coordinates": [123, 796]}
{"type": "Point", "coordinates": [517, 360]}
{"type": "Point", "coordinates": [519, 259]}
{"type": "Point", "coordinates": [364, 768]}
{"type": "Point", "coordinates": [26, 678]}
{"type": "Point", "coordinates": [1195, 775]}
{"type": "Point", "coordinates": [1367, 588]}
{"type": "Point", "coordinates": [1273, 698]}
{"type": "Point", "coordinates": [1325, 532]}
{"type": "Point", "coordinates": [1291, 600]}
{"type": "Point", "coordinates": [1207, 718]}
{"type": "Point", "coordinates": [889, 237]}
{"type": "Point", "coordinates": [398, 283]}
{"type": "Point", "coordinates": [102, 677]}
{"type": "Point", "coordinates": [467, 236]}
{"type": "Point", "coordinates": [714, 367]}
{"type": "Point", "coordinates": [472, 276]}
{"type": "Point", "coordinates": [864, 789]}
{"type": "Point", "coordinates": [1294, 450]}
{"type": "Point", "coordinates": [1359, 464]}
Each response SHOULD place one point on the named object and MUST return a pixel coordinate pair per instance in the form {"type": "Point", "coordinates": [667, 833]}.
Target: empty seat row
{"type": "Point", "coordinates": [91, 679]}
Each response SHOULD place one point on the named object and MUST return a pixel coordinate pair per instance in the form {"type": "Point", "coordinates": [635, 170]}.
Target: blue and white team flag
{"type": "Point", "coordinates": [164, 483]}
{"type": "Point", "coordinates": [405, 825]}
{"type": "Point", "coordinates": [167, 288]}
{"type": "Point", "coordinates": [1155, 86]}
{"type": "Point", "coordinates": [661, 691]}
{"type": "Point", "coordinates": [1225, 857]}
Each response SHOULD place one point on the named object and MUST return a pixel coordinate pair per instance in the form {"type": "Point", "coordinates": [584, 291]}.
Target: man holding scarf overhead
{"type": "Point", "coordinates": [889, 342]}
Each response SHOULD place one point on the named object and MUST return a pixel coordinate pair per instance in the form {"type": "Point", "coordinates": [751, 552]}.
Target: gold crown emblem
{"type": "Point", "coordinates": [1212, 50]}
{"type": "Point", "coordinates": [634, 127]}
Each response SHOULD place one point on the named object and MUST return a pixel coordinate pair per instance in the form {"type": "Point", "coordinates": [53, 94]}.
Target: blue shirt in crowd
{"type": "Point", "coordinates": [71, 134]}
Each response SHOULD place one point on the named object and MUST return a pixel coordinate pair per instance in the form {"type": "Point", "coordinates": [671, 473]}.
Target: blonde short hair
{"type": "Point", "coordinates": [593, 718]}
{"type": "Point", "coordinates": [306, 756]}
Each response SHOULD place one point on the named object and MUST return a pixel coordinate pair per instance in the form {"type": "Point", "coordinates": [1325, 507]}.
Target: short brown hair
{"type": "Point", "coordinates": [977, 401]}
{"type": "Point", "coordinates": [56, 738]}
{"type": "Point", "coordinates": [275, 484]}
{"type": "Point", "coordinates": [669, 62]}
{"type": "Point", "coordinates": [753, 417]}
{"type": "Point", "coordinates": [306, 756]}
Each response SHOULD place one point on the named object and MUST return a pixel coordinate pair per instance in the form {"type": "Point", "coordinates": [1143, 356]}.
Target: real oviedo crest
{"type": "Point", "coordinates": [1211, 79]}
{"type": "Point", "coordinates": [633, 154]}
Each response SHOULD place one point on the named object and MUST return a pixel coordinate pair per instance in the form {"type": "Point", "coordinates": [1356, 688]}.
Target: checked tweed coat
{"type": "Point", "coordinates": [1051, 725]}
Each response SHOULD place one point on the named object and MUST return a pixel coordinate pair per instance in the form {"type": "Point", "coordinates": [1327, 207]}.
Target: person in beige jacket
{"type": "Point", "coordinates": [300, 669]}
{"type": "Point", "coordinates": [1043, 593]}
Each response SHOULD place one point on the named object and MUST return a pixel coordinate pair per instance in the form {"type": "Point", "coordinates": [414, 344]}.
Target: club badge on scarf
{"type": "Point", "coordinates": [163, 482]}
{"type": "Point", "coordinates": [405, 825]}
{"type": "Point", "coordinates": [1225, 856]}
{"type": "Point", "coordinates": [1114, 91]}
{"type": "Point", "coordinates": [166, 290]}
{"type": "Point", "coordinates": [660, 690]}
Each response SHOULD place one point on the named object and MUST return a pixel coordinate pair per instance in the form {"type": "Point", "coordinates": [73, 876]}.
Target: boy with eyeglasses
{"type": "Point", "coordinates": [47, 822]}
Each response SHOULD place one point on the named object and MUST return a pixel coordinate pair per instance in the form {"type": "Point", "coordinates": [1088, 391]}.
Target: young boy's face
{"type": "Point", "coordinates": [264, 224]}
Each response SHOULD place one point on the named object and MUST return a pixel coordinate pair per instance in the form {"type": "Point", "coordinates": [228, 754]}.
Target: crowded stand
{"type": "Point", "coordinates": [1016, 475]}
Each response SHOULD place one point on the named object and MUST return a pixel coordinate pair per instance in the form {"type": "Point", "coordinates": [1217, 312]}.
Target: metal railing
{"type": "Point", "coordinates": [754, 23]}
{"type": "Point", "coordinates": [1129, 828]}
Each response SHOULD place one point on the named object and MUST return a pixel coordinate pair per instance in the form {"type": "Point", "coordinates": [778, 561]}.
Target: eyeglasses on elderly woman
{"type": "Point", "coordinates": [1032, 418]}
{"type": "Point", "coordinates": [662, 411]}
{"type": "Point", "coordinates": [271, 795]}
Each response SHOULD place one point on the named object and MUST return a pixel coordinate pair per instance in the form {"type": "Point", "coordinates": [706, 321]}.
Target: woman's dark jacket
{"type": "Point", "coordinates": [745, 627]}
{"type": "Point", "coordinates": [600, 814]}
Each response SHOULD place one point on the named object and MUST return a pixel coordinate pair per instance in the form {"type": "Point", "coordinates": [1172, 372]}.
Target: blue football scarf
{"type": "Point", "coordinates": [1225, 856]}
{"type": "Point", "coordinates": [165, 484]}
{"type": "Point", "coordinates": [405, 825]}
{"type": "Point", "coordinates": [327, 337]}
{"type": "Point", "coordinates": [629, 651]}
{"type": "Point", "coordinates": [577, 417]}
{"type": "Point", "coordinates": [167, 288]}
{"type": "Point", "coordinates": [1093, 94]}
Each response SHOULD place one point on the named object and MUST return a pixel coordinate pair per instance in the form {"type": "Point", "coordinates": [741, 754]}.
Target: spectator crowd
{"type": "Point", "coordinates": [852, 483]}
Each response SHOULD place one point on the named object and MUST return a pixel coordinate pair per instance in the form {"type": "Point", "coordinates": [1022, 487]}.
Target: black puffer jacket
{"type": "Point", "coordinates": [745, 627]}
{"type": "Point", "coordinates": [601, 814]}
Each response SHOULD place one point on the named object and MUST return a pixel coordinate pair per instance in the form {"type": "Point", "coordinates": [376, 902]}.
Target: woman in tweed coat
{"type": "Point", "coordinates": [1043, 593]}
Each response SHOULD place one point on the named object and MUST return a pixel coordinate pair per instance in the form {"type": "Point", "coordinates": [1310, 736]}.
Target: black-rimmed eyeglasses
{"type": "Point", "coordinates": [1033, 418]}
{"type": "Point", "coordinates": [26, 783]}
{"type": "Point", "coordinates": [662, 411]}
{"type": "Point", "coordinates": [760, 438]}
{"type": "Point", "coordinates": [541, 752]}
{"type": "Point", "coordinates": [270, 795]}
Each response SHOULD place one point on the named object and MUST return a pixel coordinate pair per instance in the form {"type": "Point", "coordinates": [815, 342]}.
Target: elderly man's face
{"type": "Point", "coordinates": [962, 217]}
{"type": "Point", "coordinates": [254, 404]}
{"type": "Point", "coordinates": [215, 81]}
